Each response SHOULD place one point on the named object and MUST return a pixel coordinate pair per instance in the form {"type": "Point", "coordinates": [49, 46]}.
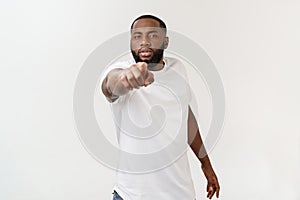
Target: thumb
{"type": "Point", "coordinates": [149, 79]}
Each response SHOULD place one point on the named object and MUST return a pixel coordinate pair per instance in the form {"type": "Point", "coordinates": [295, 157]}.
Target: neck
{"type": "Point", "coordinates": [156, 67]}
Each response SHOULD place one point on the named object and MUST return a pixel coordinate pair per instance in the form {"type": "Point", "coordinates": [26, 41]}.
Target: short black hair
{"type": "Point", "coordinates": [161, 23]}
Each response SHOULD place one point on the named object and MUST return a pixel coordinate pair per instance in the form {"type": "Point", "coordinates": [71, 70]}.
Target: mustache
{"type": "Point", "coordinates": [156, 58]}
{"type": "Point", "coordinates": [143, 49]}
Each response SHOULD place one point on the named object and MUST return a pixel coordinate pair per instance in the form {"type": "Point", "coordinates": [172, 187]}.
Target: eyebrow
{"type": "Point", "coordinates": [147, 32]}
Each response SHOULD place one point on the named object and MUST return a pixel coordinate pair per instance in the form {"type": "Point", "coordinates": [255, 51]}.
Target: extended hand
{"type": "Point", "coordinates": [136, 76]}
{"type": "Point", "coordinates": [120, 81]}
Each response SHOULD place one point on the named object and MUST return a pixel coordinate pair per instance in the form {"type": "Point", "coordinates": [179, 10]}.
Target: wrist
{"type": "Point", "coordinates": [108, 93]}
{"type": "Point", "coordinates": [111, 95]}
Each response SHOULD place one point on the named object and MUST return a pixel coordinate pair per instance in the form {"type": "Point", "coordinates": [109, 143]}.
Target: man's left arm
{"type": "Point", "coordinates": [196, 144]}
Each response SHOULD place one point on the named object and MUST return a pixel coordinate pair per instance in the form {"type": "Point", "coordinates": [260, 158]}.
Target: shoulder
{"type": "Point", "coordinates": [175, 64]}
{"type": "Point", "coordinates": [171, 61]}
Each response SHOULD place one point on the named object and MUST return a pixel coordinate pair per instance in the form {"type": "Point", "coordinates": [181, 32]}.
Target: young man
{"type": "Point", "coordinates": [134, 88]}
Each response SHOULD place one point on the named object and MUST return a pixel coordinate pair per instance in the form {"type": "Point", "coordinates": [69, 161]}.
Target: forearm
{"type": "Point", "coordinates": [199, 150]}
{"type": "Point", "coordinates": [195, 141]}
{"type": "Point", "coordinates": [111, 85]}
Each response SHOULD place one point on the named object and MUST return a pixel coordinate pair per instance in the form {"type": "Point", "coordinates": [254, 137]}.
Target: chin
{"type": "Point", "coordinates": [145, 60]}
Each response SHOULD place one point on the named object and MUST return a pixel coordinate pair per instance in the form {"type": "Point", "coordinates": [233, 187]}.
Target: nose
{"type": "Point", "coordinates": [145, 41]}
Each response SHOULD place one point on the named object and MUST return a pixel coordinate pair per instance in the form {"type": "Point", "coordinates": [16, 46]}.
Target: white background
{"type": "Point", "coordinates": [253, 43]}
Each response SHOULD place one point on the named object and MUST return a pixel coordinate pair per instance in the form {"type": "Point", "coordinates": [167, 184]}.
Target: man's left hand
{"type": "Point", "coordinates": [212, 182]}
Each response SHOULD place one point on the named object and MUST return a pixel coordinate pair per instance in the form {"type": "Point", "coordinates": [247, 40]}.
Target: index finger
{"type": "Point", "coordinates": [142, 66]}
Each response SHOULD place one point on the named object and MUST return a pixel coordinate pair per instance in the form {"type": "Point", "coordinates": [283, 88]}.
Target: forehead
{"type": "Point", "coordinates": [145, 30]}
{"type": "Point", "coordinates": [147, 25]}
{"type": "Point", "coordinates": [145, 22]}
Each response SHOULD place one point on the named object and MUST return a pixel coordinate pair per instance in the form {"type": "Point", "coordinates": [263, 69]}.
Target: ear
{"type": "Point", "coordinates": [166, 42]}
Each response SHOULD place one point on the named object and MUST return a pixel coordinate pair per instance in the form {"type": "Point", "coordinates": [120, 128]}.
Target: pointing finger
{"type": "Point", "coordinates": [143, 67]}
{"type": "Point", "coordinates": [138, 76]}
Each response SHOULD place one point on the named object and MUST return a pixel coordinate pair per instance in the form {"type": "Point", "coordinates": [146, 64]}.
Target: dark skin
{"type": "Point", "coordinates": [146, 38]}
{"type": "Point", "coordinates": [196, 144]}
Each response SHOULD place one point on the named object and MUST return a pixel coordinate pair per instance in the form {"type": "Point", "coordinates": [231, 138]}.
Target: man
{"type": "Point", "coordinates": [135, 87]}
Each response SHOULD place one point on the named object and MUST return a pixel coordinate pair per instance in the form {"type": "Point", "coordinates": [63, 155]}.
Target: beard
{"type": "Point", "coordinates": [156, 58]}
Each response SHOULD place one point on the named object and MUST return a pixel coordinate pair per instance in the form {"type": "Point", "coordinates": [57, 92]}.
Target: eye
{"type": "Point", "coordinates": [137, 37]}
{"type": "Point", "coordinates": [153, 35]}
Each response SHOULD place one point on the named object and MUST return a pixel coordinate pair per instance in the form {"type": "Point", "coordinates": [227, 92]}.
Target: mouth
{"type": "Point", "coordinates": [145, 53]}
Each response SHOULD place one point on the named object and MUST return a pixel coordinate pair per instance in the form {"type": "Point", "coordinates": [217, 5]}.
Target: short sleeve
{"type": "Point", "coordinates": [118, 65]}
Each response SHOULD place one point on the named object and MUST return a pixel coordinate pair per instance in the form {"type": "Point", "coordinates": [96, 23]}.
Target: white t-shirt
{"type": "Point", "coordinates": [151, 124]}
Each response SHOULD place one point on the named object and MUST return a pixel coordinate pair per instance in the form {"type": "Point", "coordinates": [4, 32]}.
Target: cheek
{"type": "Point", "coordinates": [158, 44]}
{"type": "Point", "coordinates": [134, 45]}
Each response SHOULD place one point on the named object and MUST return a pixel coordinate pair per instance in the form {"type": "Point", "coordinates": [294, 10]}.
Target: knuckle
{"type": "Point", "coordinates": [123, 78]}
{"type": "Point", "coordinates": [139, 78]}
{"type": "Point", "coordinates": [129, 76]}
{"type": "Point", "coordinates": [133, 66]}
{"type": "Point", "coordinates": [125, 84]}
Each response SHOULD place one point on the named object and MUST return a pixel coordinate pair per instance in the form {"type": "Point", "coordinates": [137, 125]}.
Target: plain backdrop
{"type": "Point", "coordinates": [254, 44]}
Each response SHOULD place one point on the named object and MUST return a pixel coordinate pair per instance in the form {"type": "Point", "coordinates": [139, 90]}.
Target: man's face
{"type": "Point", "coordinates": [148, 41]}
